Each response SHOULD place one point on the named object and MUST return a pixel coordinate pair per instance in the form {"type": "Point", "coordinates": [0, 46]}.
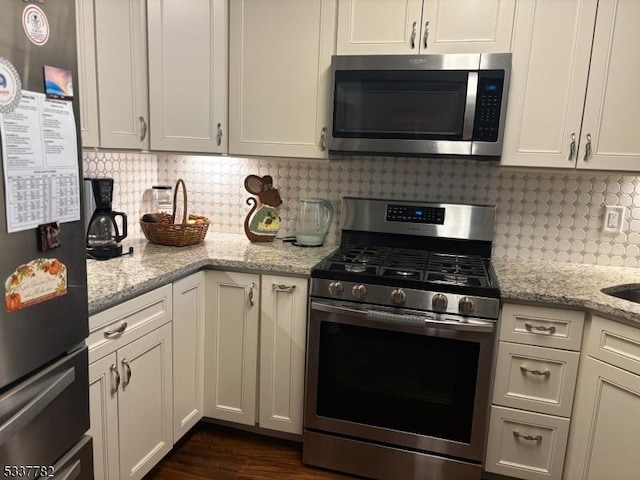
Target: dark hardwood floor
{"type": "Point", "coordinates": [221, 453]}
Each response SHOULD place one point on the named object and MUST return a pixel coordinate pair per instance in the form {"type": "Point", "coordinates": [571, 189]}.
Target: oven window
{"type": "Point", "coordinates": [412, 383]}
{"type": "Point", "coordinates": [400, 104]}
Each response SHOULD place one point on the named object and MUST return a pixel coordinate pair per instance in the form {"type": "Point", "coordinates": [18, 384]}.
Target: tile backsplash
{"type": "Point", "coordinates": [133, 175]}
{"type": "Point", "coordinates": [541, 214]}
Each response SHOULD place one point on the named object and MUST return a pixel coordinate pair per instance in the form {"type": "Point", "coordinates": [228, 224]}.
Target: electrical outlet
{"type": "Point", "coordinates": [613, 218]}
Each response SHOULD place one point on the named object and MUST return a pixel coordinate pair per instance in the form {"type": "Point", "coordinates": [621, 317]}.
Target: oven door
{"type": "Point", "coordinates": [399, 378]}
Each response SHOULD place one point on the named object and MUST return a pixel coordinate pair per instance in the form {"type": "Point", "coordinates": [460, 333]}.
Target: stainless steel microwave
{"type": "Point", "coordinates": [419, 105]}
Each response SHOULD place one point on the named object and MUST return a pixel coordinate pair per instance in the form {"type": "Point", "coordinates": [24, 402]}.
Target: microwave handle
{"type": "Point", "coordinates": [470, 108]}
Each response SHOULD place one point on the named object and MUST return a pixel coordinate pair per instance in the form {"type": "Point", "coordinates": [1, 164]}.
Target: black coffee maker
{"type": "Point", "coordinates": [103, 234]}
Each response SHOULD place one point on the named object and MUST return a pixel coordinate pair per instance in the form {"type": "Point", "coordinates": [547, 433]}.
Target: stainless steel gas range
{"type": "Point", "coordinates": [400, 342]}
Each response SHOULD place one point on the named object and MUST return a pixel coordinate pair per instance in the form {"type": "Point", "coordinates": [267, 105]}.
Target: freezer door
{"type": "Point", "coordinates": [35, 335]}
{"type": "Point", "coordinates": [43, 417]}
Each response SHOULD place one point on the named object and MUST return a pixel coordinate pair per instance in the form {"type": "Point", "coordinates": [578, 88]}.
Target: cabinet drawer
{"type": "Point", "coordinates": [526, 445]}
{"type": "Point", "coordinates": [543, 326]}
{"type": "Point", "coordinates": [117, 326]}
{"type": "Point", "coordinates": [535, 378]}
{"type": "Point", "coordinates": [614, 343]}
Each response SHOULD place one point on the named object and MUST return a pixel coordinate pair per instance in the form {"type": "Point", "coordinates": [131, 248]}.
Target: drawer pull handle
{"type": "Point", "coordinates": [117, 332]}
{"type": "Point", "coordinates": [537, 438]}
{"type": "Point", "coordinates": [545, 374]}
{"type": "Point", "coordinates": [283, 288]}
{"type": "Point", "coordinates": [540, 329]}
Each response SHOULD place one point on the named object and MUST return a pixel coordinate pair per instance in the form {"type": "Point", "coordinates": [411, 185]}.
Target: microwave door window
{"type": "Point", "coordinates": [404, 105]}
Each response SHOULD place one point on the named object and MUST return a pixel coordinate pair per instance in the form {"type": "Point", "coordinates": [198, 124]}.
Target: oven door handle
{"type": "Point", "coordinates": [407, 319]}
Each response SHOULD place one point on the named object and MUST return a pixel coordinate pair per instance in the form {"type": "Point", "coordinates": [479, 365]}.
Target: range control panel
{"type": "Point", "coordinates": [415, 214]}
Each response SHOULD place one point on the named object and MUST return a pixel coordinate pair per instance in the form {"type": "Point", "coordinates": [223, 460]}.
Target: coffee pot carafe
{"type": "Point", "coordinates": [313, 221]}
{"type": "Point", "coordinates": [103, 234]}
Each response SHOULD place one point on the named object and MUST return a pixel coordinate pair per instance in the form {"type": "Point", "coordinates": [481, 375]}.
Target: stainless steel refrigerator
{"type": "Point", "coordinates": [44, 394]}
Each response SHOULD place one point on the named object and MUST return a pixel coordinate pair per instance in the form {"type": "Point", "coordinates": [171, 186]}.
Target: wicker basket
{"type": "Point", "coordinates": [165, 232]}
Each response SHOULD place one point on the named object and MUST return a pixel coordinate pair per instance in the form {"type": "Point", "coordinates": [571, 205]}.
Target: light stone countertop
{"type": "Point", "coordinates": [112, 281]}
{"type": "Point", "coordinates": [570, 284]}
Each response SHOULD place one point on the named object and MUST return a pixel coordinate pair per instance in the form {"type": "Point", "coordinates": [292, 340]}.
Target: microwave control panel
{"type": "Point", "coordinates": [415, 214]}
{"type": "Point", "coordinates": [488, 102]}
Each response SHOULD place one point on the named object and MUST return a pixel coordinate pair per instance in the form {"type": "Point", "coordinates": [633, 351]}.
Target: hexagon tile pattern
{"type": "Point", "coordinates": [541, 214]}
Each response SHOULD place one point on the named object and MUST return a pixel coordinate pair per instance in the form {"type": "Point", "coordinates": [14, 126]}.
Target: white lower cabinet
{"type": "Point", "coordinates": [534, 383]}
{"type": "Point", "coordinates": [188, 353]}
{"type": "Point", "coordinates": [604, 441]}
{"type": "Point", "coordinates": [525, 444]}
{"type": "Point", "coordinates": [283, 333]}
{"type": "Point", "coordinates": [130, 377]}
{"type": "Point", "coordinates": [238, 388]}
{"type": "Point", "coordinates": [131, 405]}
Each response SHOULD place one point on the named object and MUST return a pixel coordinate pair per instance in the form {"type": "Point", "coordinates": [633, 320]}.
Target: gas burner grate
{"type": "Point", "coordinates": [457, 269]}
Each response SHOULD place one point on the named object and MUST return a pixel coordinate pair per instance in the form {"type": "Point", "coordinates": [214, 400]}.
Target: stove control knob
{"type": "Point", "coordinates": [336, 288]}
{"type": "Point", "coordinates": [398, 296]}
{"type": "Point", "coordinates": [439, 302]}
{"type": "Point", "coordinates": [466, 306]}
{"type": "Point", "coordinates": [359, 291]}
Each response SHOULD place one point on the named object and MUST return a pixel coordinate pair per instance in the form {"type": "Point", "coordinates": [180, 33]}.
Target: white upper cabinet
{"type": "Point", "coordinates": [560, 48]}
{"type": "Point", "coordinates": [87, 86]}
{"type": "Point", "coordinates": [188, 75]}
{"type": "Point", "coordinates": [429, 26]}
{"type": "Point", "coordinates": [280, 54]}
{"type": "Point", "coordinates": [121, 56]}
{"type": "Point", "coordinates": [379, 27]}
{"type": "Point", "coordinates": [612, 104]}
{"type": "Point", "coordinates": [551, 51]}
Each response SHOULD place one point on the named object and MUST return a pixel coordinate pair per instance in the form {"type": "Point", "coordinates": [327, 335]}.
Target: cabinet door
{"type": "Point", "coordinates": [551, 51]}
{"type": "Point", "coordinates": [87, 81]}
{"type": "Point", "coordinates": [466, 26]}
{"type": "Point", "coordinates": [145, 403]}
{"type": "Point", "coordinates": [604, 442]}
{"type": "Point", "coordinates": [121, 56]}
{"type": "Point", "coordinates": [188, 75]}
{"type": "Point", "coordinates": [279, 77]}
{"type": "Point", "coordinates": [378, 27]}
{"type": "Point", "coordinates": [231, 346]}
{"type": "Point", "coordinates": [612, 105]}
{"type": "Point", "coordinates": [283, 333]}
{"type": "Point", "coordinates": [103, 411]}
{"type": "Point", "coordinates": [188, 353]}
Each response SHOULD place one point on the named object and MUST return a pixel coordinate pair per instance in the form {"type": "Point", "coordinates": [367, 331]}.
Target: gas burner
{"type": "Point", "coordinates": [404, 273]}
{"type": "Point", "coordinates": [355, 267]}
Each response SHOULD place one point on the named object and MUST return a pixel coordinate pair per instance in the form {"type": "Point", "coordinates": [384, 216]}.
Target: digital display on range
{"type": "Point", "coordinates": [415, 214]}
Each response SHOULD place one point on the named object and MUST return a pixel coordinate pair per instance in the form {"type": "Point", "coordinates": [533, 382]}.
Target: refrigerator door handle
{"type": "Point", "coordinates": [34, 407]}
